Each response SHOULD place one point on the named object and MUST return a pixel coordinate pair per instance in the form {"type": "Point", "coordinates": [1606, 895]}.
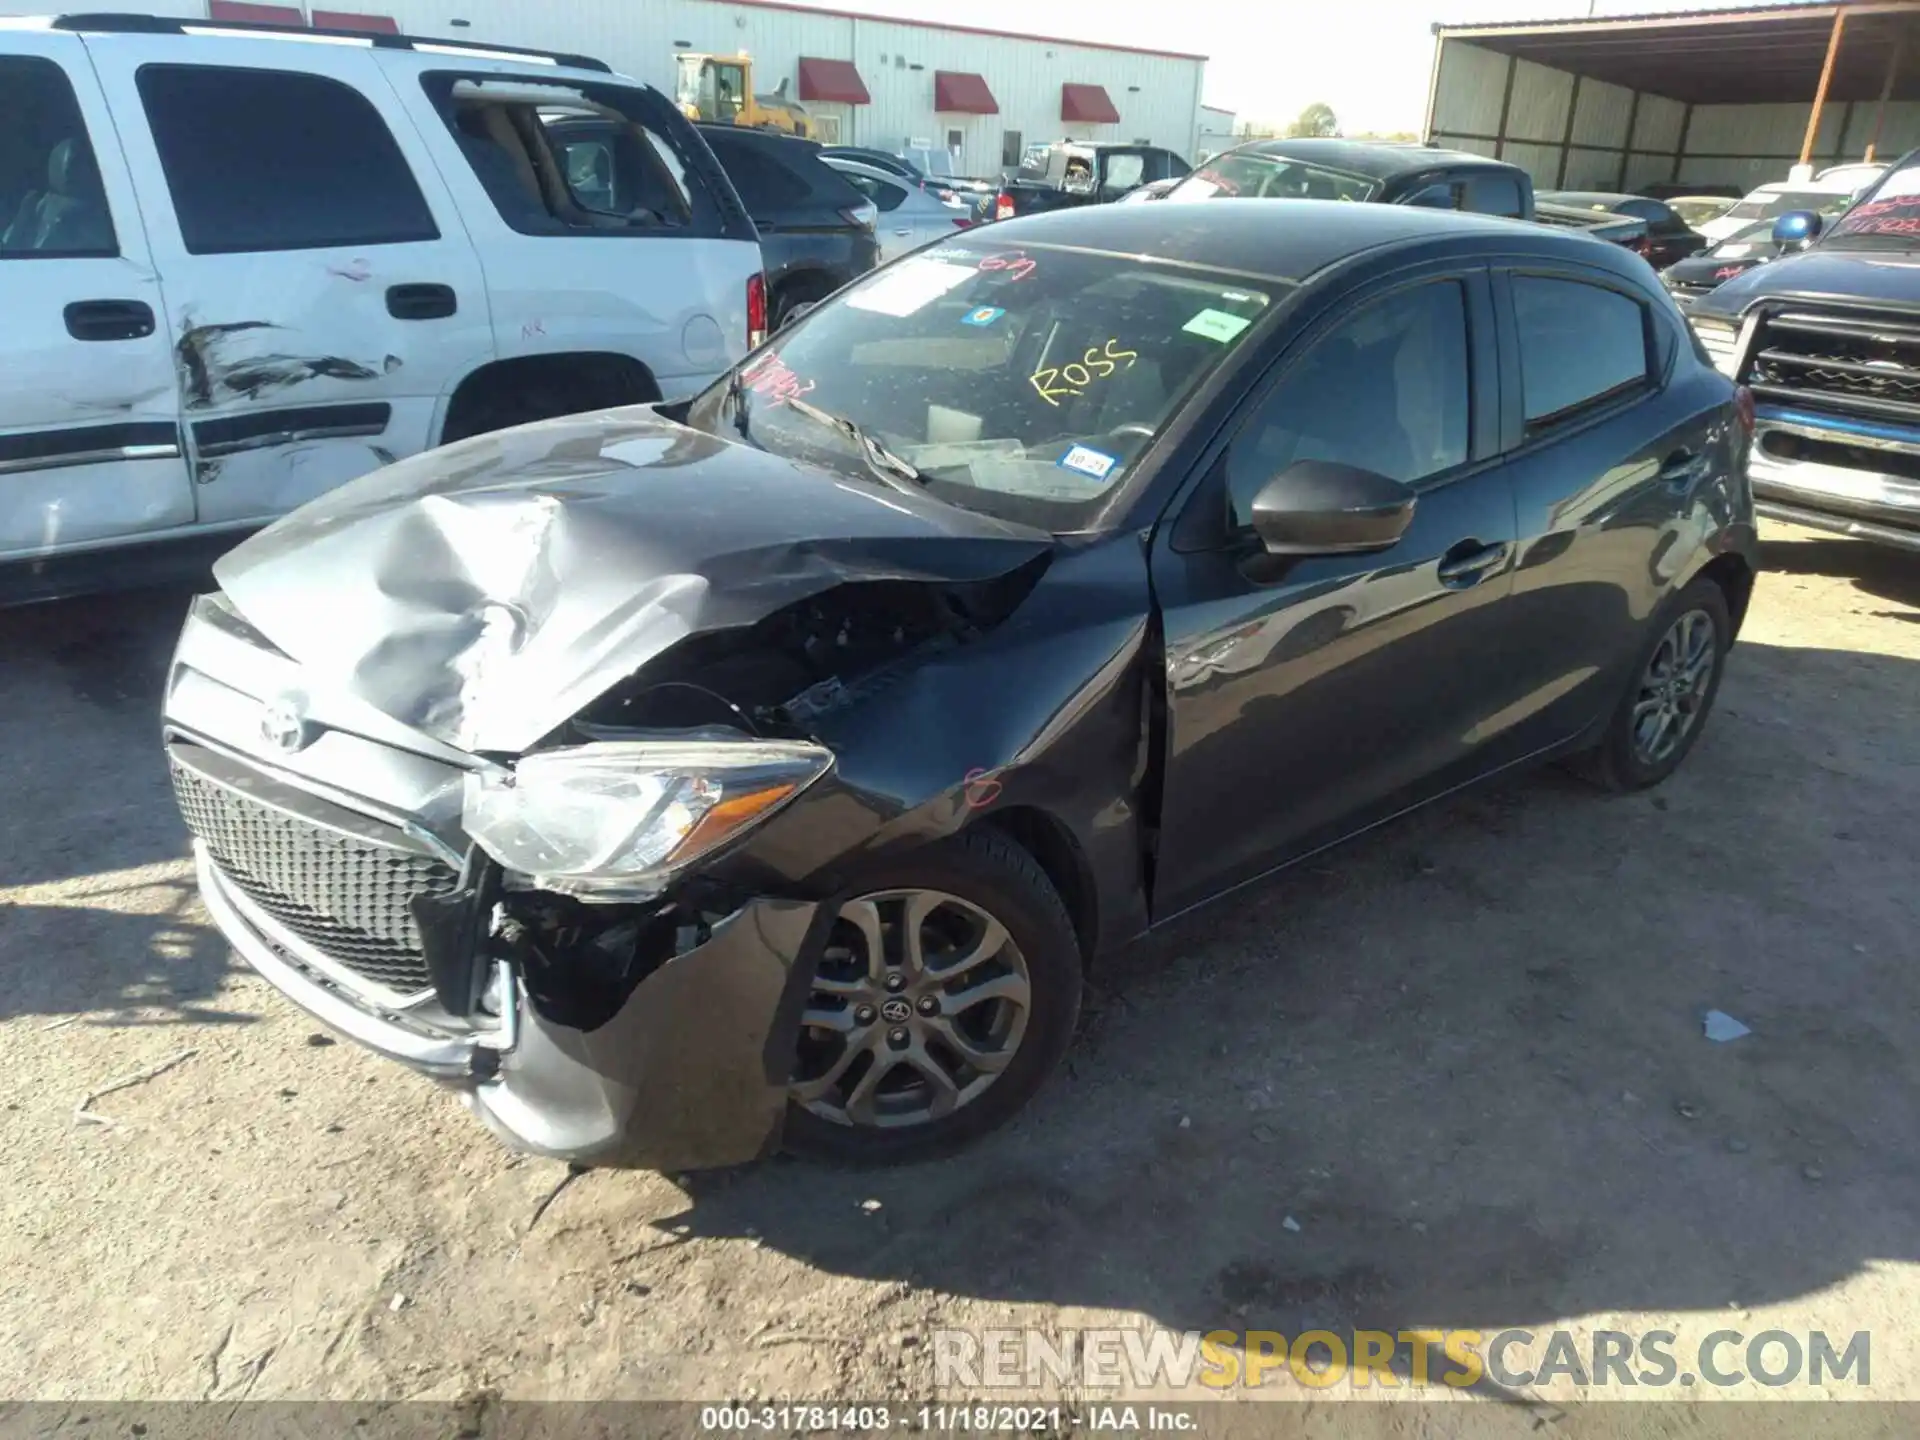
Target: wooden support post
{"type": "Point", "coordinates": [1680, 150]}
{"type": "Point", "coordinates": [1566, 135]}
{"type": "Point", "coordinates": [1826, 78]}
{"type": "Point", "coordinates": [1886, 89]}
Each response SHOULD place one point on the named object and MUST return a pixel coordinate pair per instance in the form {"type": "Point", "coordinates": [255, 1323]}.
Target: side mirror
{"type": "Point", "coordinates": [1796, 229]}
{"type": "Point", "coordinates": [1321, 507]}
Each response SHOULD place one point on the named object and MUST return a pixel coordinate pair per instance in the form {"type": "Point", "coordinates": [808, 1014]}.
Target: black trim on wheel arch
{"type": "Point", "coordinates": [261, 429]}
{"type": "Point", "coordinates": [90, 445]}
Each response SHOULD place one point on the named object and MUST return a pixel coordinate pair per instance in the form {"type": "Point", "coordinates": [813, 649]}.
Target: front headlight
{"type": "Point", "coordinates": [1722, 343]}
{"type": "Point", "coordinates": [616, 821]}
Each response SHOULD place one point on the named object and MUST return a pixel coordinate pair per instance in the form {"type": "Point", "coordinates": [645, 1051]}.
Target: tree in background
{"type": "Point", "coordinates": [1317, 119]}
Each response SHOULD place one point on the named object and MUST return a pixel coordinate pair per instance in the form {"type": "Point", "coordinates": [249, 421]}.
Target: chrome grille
{"type": "Point", "coordinates": [1848, 361]}
{"type": "Point", "coordinates": [344, 894]}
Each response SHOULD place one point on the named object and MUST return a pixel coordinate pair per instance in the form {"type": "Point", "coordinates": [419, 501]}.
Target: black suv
{"type": "Point", "coordinates": [816, 230]}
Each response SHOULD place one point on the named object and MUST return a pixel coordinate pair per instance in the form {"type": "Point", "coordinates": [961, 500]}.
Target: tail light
{"type": "Point", "coordinates": [756, 311]}
{"type": "Point", "coordinates": [1743, 408]}
{"type": "Point", "coordinates": [1003, 206]}
{"type": "Point", "coordinates": [1640, 245]}
{"type": "Point", "coordinates": [866, 214]}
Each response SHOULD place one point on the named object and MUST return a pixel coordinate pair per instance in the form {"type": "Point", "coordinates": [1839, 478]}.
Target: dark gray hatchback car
{"type": "Point", "coordinates": [682, 782]}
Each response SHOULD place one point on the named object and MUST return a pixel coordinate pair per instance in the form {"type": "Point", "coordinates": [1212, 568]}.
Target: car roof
{"type": "Point", "coordinates": [744, 135]}
{"type": "Point", "coordinates": [1376, 159]}
{"type": "Point", "coordinates": [1284, 240]}
{"type": "Point", "coordinates": [1815, 186]}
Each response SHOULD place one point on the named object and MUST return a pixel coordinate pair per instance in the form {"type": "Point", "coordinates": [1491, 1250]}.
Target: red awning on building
{"type": "Point", "coordinates": [351, 20]}
{"type": "Point", "coordinates": [832, 80]}
{"type": "Point", "coordinates": [255, 14]}
{"type": "Point", "coordinates": [963, 92]}
{"type": "Point", "coordinates": [1087, 104]}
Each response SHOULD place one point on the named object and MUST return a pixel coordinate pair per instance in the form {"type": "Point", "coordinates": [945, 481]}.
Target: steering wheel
{"type": "Point", "coordinates": [1132, 427]}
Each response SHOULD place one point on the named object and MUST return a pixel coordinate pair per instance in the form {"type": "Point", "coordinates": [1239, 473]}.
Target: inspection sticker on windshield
{"type": "Point", "coordinates": [985, 315]}
{"type": "Point", "coordinates": [1088, 461]}
{"type": "Point", "coordinates": [910, 286]}
{"type": "Point", "coordinates": [1216, 325]}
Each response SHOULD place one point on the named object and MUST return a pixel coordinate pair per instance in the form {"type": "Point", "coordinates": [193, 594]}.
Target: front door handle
{"type": "Point", "coordinates": [421, 302]}
{"type": "Point", "coordinates": [109, 319]}
{"type": "Point", "coordinates": [1470, 562]}
{"type": "Point", "coordinates": [903, 232]}
{"type": "Point", "coordinates": [1683, 468]}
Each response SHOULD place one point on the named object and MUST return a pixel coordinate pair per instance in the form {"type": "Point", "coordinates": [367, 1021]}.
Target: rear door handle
{"type": "Point", "coordinates": [1470, 562]}
{"type": "Point", "coordinates": [109, 319]}
{"type": "Point", "coordinates": [903, 232]}
{"type": "Point", "coordinates": [1682, 468]}
{"type": "Point", "coordinates": [421, 302]}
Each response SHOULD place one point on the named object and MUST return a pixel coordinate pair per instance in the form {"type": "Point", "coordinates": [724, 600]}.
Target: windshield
{"type": "Point", "coordinates": [1779, 202]}
{"type": "Point", "coordinates": [1744, 240]}
{"type": "Point", "coordinates": [1888, 216]}
{"type": "Point", "coordinates": [1250, 175]}
{"type": "Point", "coordinates": [1022, 383]}
{"type": "Point", "coordinates": [1699, 212]}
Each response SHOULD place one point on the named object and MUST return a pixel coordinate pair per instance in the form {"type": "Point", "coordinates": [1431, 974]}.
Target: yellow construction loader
{"type": "Point", "coordinates": [720, 88]}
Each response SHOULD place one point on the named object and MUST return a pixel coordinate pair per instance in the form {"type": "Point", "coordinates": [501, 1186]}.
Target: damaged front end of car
{"type": "Point", "coordinates": [535, 763]}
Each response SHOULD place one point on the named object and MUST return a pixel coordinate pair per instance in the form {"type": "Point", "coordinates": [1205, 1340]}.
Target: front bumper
{"type": "Point", "coordinates": [1839, 477]}
{"type": "Point", "coordinates": [691, 1072]}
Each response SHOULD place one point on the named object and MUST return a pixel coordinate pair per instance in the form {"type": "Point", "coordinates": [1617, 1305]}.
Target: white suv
{"type": "Point", "coordinates": [240, 266]}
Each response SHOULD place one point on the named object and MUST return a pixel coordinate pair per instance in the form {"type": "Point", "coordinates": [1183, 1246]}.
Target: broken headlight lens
{"type": "Point", "coordinates": [616, 821]}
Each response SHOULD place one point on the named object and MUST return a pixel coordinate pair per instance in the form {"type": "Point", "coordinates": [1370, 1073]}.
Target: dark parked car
{"type": "Point", "coordinates": [679, 782]}
{"type": "Point", "coordinates": [1693, 277]}
{"type": "Point", "coordinates": [1669, 238]}
{"type": "Point", "coordinates": [1376, 172]}
{"type": "Point", "coordinates": [1623, 230]}
{"type": "Point", "coordinates": [816, 230]}
{"type": "Point", "coordinates": [1828, 339]}
{"type": "Point", "coordinates": [1082, 172]}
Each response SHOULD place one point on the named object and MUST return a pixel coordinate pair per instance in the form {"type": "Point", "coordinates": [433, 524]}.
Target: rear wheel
{"type": "Point", "coordinates": [946, 994]}
{"type": "Point", "coordinates": [1667, 704]}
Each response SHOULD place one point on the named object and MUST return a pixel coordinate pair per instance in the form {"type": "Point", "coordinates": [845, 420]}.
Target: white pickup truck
{"type": "Point", "coordinates": [241, 265]}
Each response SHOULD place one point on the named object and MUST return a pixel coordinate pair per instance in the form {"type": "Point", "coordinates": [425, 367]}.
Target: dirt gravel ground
{"type": "Point", "coordinates": [1463, 1056]}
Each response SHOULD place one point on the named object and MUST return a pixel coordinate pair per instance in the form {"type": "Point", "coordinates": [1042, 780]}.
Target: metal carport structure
{"type": "Point", "coordinates": [1729, 97]}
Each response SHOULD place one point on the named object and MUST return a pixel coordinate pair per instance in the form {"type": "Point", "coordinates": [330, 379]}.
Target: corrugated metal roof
{"type": "Point", "coordinates": [1747, 54]}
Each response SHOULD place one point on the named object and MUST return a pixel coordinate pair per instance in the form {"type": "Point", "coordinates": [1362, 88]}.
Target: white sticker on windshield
{"type": "Point", "coordinates": [1216, 325]}
{"type": "Point", "coordinates": [1088, 461]}
{"type": "Point", "coordinates": [909, 286]}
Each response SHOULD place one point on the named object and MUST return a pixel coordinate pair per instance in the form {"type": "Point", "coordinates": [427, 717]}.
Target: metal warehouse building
{"type": "Point", "coordinates": [866, 80]}
{"type": "Point", "coordinates": [1732, 97]}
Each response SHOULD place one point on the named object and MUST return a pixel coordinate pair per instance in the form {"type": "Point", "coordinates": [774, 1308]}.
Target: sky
{"type": "Point", "coordinates": [1369, 59]}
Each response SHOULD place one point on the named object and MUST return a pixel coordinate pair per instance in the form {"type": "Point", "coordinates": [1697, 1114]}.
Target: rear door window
{"type": "Point", "coordinates": [1493, 195]}
{"type": "Point", "coordinates": [766, 186]}
{"type": "Point", "coordinates": [52, 205]}
{"type": "Point", "coordinates": [1582, 347]}
{"type": "Point", "coordinates": [260, 160]}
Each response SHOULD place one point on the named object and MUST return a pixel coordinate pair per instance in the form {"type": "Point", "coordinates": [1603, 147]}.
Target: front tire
{"type": "Point", "coordinates": [947, 993]}
{"type": "Point", "coordinates": [1676, 677]}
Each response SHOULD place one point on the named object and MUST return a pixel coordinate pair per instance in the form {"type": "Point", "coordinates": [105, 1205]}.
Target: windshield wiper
{"type": "Point", "coordinates": [886, 465]}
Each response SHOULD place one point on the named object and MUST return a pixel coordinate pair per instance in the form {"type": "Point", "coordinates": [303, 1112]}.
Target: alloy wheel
{"type": "Point", "coordinates": [919, 1005]}
{"type": "Point", "coordinates": [1674, 688]}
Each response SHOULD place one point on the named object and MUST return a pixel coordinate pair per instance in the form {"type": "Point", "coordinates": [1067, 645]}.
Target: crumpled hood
{"type": "Point", "coordinates": [484, 593]}
{"type": "Point", "coordinates": [1885, 276]}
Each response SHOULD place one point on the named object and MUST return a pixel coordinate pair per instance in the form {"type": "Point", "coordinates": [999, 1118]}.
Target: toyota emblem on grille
{"type": "Point", "coordinates": [284, 726]}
